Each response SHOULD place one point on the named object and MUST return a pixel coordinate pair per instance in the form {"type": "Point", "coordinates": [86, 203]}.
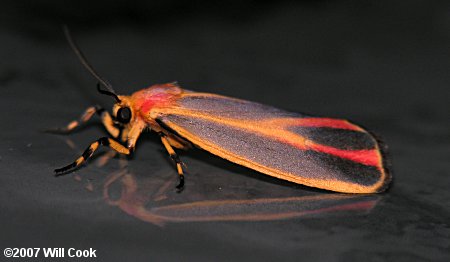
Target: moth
{"type": "Point", "coordinates": [326, 153]}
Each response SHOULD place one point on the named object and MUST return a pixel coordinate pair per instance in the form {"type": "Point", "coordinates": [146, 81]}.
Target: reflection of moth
{"type": "Point", "coordinates": [327, 153]}
{"type": "Point", "coordinates": [135, 200]}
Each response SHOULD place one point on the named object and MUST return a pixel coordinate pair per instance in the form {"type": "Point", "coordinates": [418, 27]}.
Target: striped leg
{"type": "Point", "coordinates": [104, 115]}
{"type": "Point", "coordinates": [132, 136]}
{"type": "Point", "coordinates": [104, 141]}
{"type": "Point", "coordinates": [175, 158]}
{"type": "Point", "coordinates": [123, 135]}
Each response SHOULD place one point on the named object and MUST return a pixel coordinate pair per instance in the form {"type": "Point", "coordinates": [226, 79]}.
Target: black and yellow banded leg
{"type": "Point", "coordinates": [104, 141]}
{"type": "Point", "coordinates": [175, 158]}
{"type": "Point", "coordinates": [88, 113]}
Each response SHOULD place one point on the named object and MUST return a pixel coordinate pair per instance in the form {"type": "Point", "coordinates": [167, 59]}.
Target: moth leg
{"type": "Point", "coordinates": [88, 113]}
{"type": "Point", "coordinates": [175, 158]}
{"type": "Point", "coordinates": [123, 135]}
{"type": "Point", "coordinates": [104, 141]}
{"type": "Point", "coordinates": [131, 134]}
{"type": "Point", "coordinates": [178, 143]}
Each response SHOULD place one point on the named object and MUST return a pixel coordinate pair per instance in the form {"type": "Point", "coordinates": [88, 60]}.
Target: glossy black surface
{"type": "Point", "coordinates": [384, 65]}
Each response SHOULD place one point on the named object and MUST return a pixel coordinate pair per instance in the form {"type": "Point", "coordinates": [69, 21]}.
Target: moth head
{"type": "Point", "coordinates": [123, 111]}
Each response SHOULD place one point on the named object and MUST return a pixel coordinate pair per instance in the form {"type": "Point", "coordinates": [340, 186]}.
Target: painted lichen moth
{"type": "Point", "coordinates": [326, 153]}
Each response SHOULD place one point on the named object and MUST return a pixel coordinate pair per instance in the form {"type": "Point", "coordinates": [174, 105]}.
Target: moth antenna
{"type": "Point", "coordinates": [88, 66]}
{"type": "Point", "coordinates": [107, 92]}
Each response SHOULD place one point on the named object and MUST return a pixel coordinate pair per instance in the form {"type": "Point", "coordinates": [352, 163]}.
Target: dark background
{"type": "Point", "coordinates": [384, 64]}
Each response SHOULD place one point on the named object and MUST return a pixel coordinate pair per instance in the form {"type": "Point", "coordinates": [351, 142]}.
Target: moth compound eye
{"type": "Point", "coordinates": [124, 115]}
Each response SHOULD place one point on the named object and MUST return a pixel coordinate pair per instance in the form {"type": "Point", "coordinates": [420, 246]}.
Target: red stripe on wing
{"type": "Point", "coordinates": [368, 157]}
{"type": "Point", "coordinates": [326, 122]}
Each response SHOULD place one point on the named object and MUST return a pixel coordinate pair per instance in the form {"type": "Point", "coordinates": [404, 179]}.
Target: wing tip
{"type": "Point", "coordinates": [386, 163]}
